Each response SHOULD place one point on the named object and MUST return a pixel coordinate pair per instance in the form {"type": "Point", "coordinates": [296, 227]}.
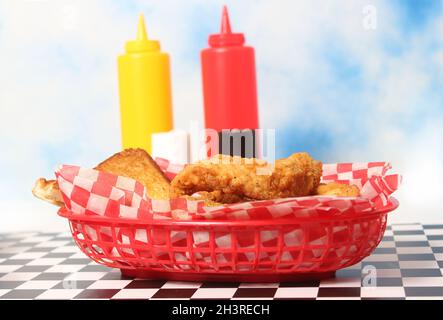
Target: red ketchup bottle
{"type": "Point", "coordinates": [230, 90]}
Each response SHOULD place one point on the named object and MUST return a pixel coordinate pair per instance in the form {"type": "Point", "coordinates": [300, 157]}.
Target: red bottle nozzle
{"type": "Point", "coordinates": [225, 24]}
{"type": "Point", "coordinates": [226, 37]}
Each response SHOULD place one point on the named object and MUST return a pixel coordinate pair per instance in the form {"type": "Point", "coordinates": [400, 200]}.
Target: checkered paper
{"type": "Point", "coordinates": [90, 192]}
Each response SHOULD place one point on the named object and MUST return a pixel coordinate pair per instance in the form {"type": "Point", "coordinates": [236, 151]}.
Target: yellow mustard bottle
{"type": "Point", "coordinates": [145, 90]}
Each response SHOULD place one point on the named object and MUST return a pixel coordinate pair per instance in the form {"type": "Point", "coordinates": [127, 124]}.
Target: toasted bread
{"type": "Point", "coordinates": [138, 164]}
{"type": "Point", "coordinates": [132, 163]}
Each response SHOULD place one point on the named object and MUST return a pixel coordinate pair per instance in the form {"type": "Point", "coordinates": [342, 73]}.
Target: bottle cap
{"type": "Point", "coordinates": [226, 37]}
{"type": "Point", "coordinates": [142, 43]}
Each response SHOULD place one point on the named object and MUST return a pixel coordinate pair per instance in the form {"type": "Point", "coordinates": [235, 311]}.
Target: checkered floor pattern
{"type": "Point", "coordinates": [408, 264]}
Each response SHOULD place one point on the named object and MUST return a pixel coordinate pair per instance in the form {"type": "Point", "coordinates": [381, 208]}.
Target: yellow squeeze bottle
{"type": "Point", "coordinates": [145, 91]}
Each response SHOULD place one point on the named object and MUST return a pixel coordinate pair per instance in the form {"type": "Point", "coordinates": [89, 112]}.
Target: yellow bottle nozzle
{"type": "Point", "coordinates": [141, 29]}
{"type": "Point", "coordinates": [142, 43]}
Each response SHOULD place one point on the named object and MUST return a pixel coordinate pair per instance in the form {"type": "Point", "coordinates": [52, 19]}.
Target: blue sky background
{"type": "Point", "coordinates": [327, 85]}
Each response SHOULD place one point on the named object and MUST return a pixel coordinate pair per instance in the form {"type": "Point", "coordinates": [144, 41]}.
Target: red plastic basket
{"type": "Point", "coordinates": [325, 245]}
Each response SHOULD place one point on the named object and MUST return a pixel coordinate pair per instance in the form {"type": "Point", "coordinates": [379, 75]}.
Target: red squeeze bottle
{"type": "Point", "coordinates": [229, 83]}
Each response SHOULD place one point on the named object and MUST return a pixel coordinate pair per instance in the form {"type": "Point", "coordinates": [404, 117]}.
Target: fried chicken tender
{"type": "Point", "coordinates": [228, 179]}
{"type": "Point", "coordinates": [48, 191]}
{"type": "Point", "coordinates": [338, 189]}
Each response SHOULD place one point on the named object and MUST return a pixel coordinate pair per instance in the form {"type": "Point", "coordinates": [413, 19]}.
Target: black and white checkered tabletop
{"type": "Point", "coordinates": [408, 264]}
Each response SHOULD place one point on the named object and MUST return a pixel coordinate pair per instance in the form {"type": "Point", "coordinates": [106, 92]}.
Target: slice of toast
{"type": "Point", "coordinates": [132, 163]}
{"type": "Point", "coordinates": [138, 165]}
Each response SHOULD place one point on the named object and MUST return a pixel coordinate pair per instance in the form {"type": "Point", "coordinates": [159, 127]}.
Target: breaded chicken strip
{"type": "Point", "coordinates": [230, 179]}
{"type": "Point", "coordinates": [338, 189]}
{"type": "Point", "coordinates": [48, 191]}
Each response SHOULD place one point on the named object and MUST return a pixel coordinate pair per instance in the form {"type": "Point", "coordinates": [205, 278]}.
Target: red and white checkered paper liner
{"type": "Point", "coordinates": [91, 192]}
